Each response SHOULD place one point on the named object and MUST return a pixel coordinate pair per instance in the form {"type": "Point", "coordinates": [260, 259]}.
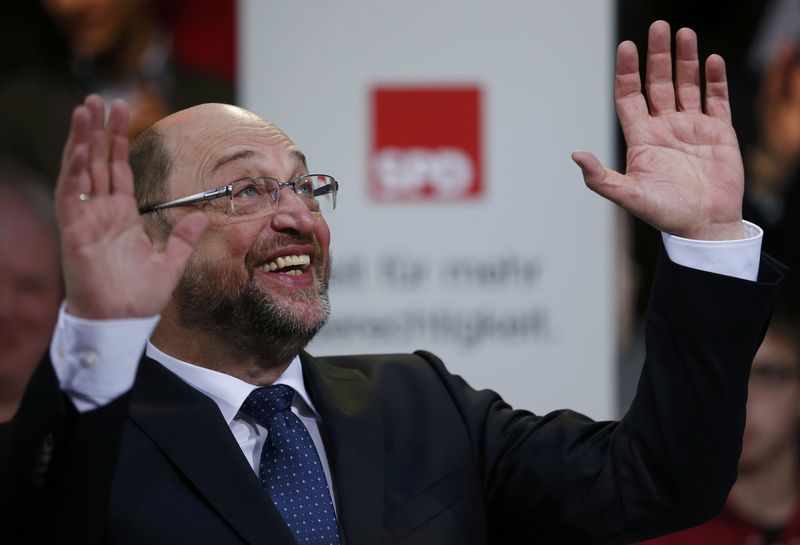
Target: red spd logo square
{"type": "Point", "coordinates": [426, 144]}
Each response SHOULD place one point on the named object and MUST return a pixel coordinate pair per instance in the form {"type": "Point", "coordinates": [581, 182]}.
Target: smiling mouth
{"type": "Point", "coordinates": [292, 265]}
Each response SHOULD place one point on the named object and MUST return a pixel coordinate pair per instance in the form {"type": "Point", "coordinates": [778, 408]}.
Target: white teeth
{"type": "Point", "coordinates": [302, 260]}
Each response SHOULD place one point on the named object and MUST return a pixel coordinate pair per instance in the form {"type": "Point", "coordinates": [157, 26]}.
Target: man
{"type": "Point", "coordinates": [30, 280]}
{"type": "Point", "coordinates": [378, 449]}
{"type": "Point", "coordinates": [763, 507]}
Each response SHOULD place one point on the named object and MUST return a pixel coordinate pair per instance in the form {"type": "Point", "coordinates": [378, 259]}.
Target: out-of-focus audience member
{"type": "Point", "coordinates": [116, 48]}
{"type": "Point", "coordinates": [763, 507]}
{"type": "Point", "coordinates": [772, 190]}
{"type": "Point", "coordinates": [30, 280]}
{"type": "Point", "coordinates": [772, 159]}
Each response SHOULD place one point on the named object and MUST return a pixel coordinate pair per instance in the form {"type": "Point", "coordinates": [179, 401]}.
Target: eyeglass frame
{"type": "Point", "coordinates": [227, 191]}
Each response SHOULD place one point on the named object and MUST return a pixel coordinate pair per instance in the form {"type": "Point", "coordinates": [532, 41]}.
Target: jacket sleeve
{"type": "Point", "coordinates": [669, 463]}
{"type": "Point", "coordinates": [56, 465]}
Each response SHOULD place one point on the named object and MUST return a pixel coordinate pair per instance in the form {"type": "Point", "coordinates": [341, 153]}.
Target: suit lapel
{"type": "Point", "coordinates": [188, 427]}
{"type": "Point", "coordinates": [354, 445]}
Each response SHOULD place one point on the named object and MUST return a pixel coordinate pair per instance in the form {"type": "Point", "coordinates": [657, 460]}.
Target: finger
{"type": "Point", "coordinates": [121, 179]}
{"type": "Point", "coordinates": [79, 129]}
{"type": "Point", "coordinates": [631, 105]}
{"type": "Point", "coordinates": [72, 181]}
{"type": "Point", "coordinates": [687, 71]}
{"type": "Point", "coordinates": [69, 184]}
{"type": "Point", "coordinates": [118, 118]}
{"type": "Point", "coordinates": [660, 90]}
{"type": "Point", "coordinates": [717, 104]}
{"type": "Point", "coordinates": [182, 241]}
{"type": "Point", "coordinates": [121, 174]}
{"type": "Point", "coordinates": [99, 147]}
{"type": "Point", "coordinates": [99, 167]}
{"type": "Point", "coordinates": [606, 182]}
{"type": "Point", "coordinates": [97, 109]}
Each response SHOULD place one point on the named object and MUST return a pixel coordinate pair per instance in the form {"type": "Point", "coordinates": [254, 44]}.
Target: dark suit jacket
{"type": "Point", "coordinates": [417, 456]}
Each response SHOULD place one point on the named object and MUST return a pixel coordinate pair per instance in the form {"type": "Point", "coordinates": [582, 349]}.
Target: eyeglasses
{"type": "Point", "coordinates": [261, 194]}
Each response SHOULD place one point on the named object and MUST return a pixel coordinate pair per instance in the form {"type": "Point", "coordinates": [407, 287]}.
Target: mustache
{"type": "Point", "coordinates": [258, 253]}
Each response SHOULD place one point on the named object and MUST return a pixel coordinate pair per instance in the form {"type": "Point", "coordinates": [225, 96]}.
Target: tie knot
{"type": "Point", "coordinates": [263, 403]}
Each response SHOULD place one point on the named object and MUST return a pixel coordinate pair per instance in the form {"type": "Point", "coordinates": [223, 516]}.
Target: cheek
{"type": "Point", "coordinates": [323, 235]}
{"type": "Point", "coordinates": [222, 253]}
{"type": "Point", "coordinates": [227, 242]}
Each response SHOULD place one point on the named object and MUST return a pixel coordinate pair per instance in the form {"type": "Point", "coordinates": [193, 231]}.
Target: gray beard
{"type": "Point", "coordinates": [252, 321]}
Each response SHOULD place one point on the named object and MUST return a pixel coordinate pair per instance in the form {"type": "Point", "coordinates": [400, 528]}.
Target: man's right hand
{"type": "Point", "coordinates": [111, 268]}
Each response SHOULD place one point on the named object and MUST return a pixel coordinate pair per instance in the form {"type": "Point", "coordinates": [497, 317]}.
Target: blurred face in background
{"type": "Point", "coordinates": [30, 290]}
{"type": "Point", "coordinates": [94, 27]}
{"type": "Point", "coordinates": [773, 403]}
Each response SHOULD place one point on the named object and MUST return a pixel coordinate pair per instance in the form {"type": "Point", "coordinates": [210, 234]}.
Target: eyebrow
{"type": "Point", "coordinates": [230, 158]}
{"type": "Point", "coordinates": [248, 153]}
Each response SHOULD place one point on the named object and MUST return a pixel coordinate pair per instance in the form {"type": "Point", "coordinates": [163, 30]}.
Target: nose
{"type": "Point", "coordinates": [293, 214]}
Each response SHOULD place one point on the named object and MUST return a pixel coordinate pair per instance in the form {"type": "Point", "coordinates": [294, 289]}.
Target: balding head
{"type": "Point", "coordinates": [180, 153]}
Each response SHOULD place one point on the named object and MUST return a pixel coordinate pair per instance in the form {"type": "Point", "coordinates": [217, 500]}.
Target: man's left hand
{"type": "Point", "coordinates": [684, 171]}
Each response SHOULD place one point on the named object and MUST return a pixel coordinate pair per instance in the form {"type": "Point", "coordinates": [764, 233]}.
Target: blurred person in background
{"type": "Point", "coordinates": [115, 48]}
{"type": "Point", "coordinates": [30, 280]}
{"type": "Point", "coordinates": [763, 507]}
{"type": "Point", "coordinates": [772, 191]}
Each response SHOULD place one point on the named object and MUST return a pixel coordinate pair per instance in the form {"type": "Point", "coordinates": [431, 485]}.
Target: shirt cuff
{"type": "Point", "coordinates": [96, 360]}
{"type": "Point", "coordinates": [737, 258]}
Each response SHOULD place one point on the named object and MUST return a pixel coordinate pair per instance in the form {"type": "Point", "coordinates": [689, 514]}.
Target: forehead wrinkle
{"type": "Point", "coordinates": [197, 147]}
{"type": "Point", "coordinates": [244, 146]}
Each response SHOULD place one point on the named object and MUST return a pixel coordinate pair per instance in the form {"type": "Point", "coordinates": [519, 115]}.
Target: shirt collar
{"type": "Point", "coordinates": [229, 392]}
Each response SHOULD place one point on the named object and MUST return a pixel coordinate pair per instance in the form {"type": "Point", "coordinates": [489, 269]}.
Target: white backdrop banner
{"type": "Point", "coordinates": [462, 226]}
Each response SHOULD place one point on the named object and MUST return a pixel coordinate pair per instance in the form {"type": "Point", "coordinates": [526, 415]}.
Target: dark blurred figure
{"type": "Point", "coordinates": [772, 194]}
{"type": "Point", "coordinates": [763, 507]}
{"type": "Point", "coordinates": [30, 280]}
{"type": "Point", "coordinates": [116, 48]}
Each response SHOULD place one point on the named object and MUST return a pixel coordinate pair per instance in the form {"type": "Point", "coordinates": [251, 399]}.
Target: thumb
{"type": "Point", "coordinates": [603, 181]}
{"type": "Point", "coordinates": [183, 239]}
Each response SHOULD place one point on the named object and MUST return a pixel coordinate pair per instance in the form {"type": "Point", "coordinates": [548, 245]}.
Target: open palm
{"type": "Point", "coordinates": [111, 267]}
{"type": "Point", "coordinates": [684, 170]}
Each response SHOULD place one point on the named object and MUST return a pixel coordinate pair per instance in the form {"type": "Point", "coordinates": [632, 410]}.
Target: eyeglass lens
{"type": "Point", "coordinates": [261, 194]}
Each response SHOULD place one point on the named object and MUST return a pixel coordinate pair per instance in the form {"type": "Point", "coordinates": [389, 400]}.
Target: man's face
{"type": "Point", "coordinates": [94, 27]}
{"type": "Point", "coordinates": [30, 289]}
{"type": "Point", "coordinates": [773, 403]}
{"type": "Point", "coordinates": [229, 287]}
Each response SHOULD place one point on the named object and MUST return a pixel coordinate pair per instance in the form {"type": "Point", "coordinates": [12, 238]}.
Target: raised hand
{"type": "Point", "coordinates": [111, 267]}
{"type": "Point", "coordinates": [684, 171]}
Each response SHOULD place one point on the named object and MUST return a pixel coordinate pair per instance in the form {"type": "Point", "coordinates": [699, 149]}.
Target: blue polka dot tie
{"type": "Point", "coordinates": [290, 468]}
